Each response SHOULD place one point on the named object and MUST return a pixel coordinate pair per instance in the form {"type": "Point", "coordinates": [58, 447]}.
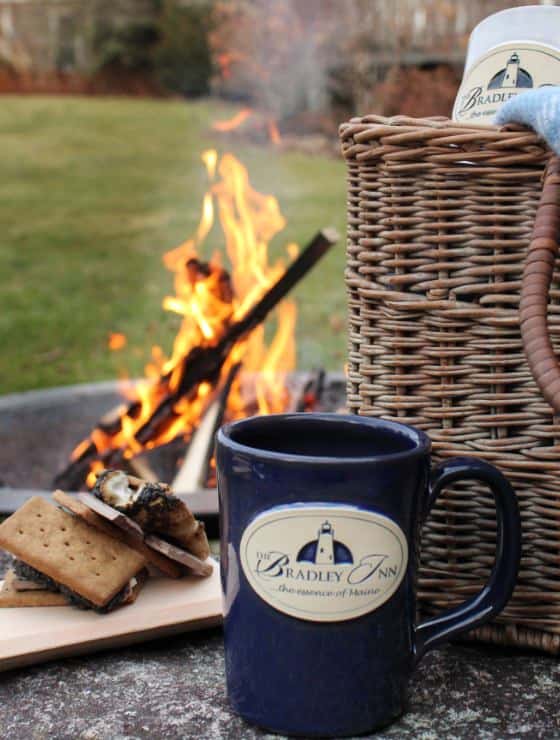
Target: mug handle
{"type": "Point", "coordinates": [496, 593]}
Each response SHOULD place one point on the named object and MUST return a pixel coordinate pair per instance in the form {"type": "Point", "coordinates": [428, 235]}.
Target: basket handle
{"type": "Point", "coordinates": [537, 276]}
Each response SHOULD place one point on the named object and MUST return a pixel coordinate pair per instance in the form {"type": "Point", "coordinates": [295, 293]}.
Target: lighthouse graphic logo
{"type": "Point", "coordinates": [323, 562]}
{"type": "Point", "coordinates": [325, 550]}
{"type": "Point", "coordinates": [512, 76]}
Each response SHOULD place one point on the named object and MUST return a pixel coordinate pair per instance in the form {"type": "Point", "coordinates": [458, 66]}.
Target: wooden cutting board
{"type": "Point", "coordinates": [164, 607]}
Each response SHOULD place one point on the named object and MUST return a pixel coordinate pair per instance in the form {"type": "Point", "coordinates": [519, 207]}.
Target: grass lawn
{"type": "Point", "coordinates": [93, 192]}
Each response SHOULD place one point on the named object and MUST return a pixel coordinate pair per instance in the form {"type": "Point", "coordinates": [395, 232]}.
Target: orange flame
{"type": "Point", "coordinates": [261, 123]}
{"type": "Point", "coordinates": [116, 341]}
{"type": "Point", "coordinates": [233, 122]}
{"type": "Point", "coordinates": [208, 300]}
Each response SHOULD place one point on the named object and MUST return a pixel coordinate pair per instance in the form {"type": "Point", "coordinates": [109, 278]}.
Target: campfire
{"type": "Point", "coordinates": [220, 367]}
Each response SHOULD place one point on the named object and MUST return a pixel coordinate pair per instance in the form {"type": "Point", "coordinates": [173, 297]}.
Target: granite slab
{"type": "Point", "coordinates": [175, 688]}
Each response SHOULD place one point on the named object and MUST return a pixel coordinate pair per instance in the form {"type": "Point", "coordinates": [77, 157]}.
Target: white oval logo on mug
{"type": "Point", "coordinates": [324, 563]}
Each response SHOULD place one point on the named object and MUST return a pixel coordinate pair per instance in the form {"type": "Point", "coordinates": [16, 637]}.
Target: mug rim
{"type": "Point", "coordinates": [422, 442]}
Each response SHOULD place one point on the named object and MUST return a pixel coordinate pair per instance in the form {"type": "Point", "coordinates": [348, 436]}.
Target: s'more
{"type": "Point", "coordinates": [16, 592]}
{"type": "Point", "coordinates": [63, 553]}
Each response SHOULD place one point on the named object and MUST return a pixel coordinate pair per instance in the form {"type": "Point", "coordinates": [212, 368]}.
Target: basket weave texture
{"type": "Point", "coordinates": [440, 218]}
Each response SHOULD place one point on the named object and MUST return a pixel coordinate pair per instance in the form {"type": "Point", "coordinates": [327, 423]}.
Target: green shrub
{"type": "Point", "coordinates": [129, 47]}
{"type": "Point", "coordinates": [182, 57]}
{"type": "Point", "coordinates": [171, 47]}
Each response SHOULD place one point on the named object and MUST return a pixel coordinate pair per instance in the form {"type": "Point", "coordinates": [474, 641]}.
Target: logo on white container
{"type": "Point", "coordinates": [500, 75]}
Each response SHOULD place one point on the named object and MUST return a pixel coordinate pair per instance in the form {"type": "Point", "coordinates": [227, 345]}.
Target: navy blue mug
{"type": "Point", "coordinates": [320, 532]}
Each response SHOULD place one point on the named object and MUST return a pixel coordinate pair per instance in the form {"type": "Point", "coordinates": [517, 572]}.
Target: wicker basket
{"type": "Point", "coordinates": [446, 240]}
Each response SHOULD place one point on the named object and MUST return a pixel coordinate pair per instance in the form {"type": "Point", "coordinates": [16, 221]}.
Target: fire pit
{"type": "Point", "coordinates": [39, 429]}
{"type": "Point", "coordinates": [221, 366]}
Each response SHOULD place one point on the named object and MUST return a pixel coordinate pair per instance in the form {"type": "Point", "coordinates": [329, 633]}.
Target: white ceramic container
{"type": "Point", "coordinates": [509, 52]}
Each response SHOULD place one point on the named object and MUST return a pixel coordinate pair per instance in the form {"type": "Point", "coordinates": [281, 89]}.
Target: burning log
{"type": "Point", "coordinates": [195, 269]}
{"type": "Point", "coordinates": [202, 364]}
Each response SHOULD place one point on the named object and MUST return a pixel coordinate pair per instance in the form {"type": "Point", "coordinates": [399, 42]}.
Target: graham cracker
{"type": "Point", "coordinates": [70, 551]}
{"type": "Point", "coordinates": [162, 563]}
{"type": "Point", "coordinates": [114, 516]}
{"type": "Point", "coordinates": [9, 597]}
{"type": "Point", "coordinates": [172, 520]}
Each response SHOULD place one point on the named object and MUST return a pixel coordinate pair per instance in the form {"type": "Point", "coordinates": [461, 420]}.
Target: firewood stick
{"type": "Point", "coordinates": [193, 472]}
{"type": "Point", "coordinates": [76, 472]}
{"type": "Point", "coordinates": [140, 468]}
{"type": "Point", "coordinates": [316, 248]}
{"type": "Point", "coordinates": [205, 363]}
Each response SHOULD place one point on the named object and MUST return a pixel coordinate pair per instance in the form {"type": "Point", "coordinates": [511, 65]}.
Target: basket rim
{"type": "Point", "coordinates": [439, 128]}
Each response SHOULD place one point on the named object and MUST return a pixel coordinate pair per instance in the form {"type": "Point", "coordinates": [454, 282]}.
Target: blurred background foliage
{"type": "Point", "coordinates": [318, 58]}
{"type": "Point", "coordinates": [169, 47]}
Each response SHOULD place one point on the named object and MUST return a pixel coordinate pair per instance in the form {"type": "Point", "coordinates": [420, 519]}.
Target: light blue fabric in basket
{"type": "Point", "coordinates": [539, 109]}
